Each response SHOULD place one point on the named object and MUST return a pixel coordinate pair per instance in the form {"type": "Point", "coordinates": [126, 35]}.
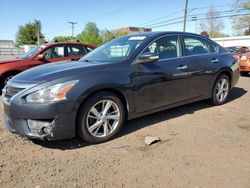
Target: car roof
{"type": "Point", "coordinates": [153, 33]}
{"type": "Point", "coordinates": [64, 43]}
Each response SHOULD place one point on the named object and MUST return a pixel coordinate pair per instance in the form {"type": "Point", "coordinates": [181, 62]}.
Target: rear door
{"type": "Point", "coordinates": [202, 56]}
{"type": "Point", "coordinates": [75, 52]}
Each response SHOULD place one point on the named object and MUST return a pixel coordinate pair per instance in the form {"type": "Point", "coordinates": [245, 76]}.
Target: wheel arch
{"type": "Point", "coordinates": [116, 92]}
{"type": "Point", "coordinates": [228, 72]}
{"type": "Point", "coordinates": [8, 73]}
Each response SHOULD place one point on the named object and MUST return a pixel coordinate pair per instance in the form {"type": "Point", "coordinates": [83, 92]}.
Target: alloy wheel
{"type": "Point", "coordinates": [7, 79]}
{"type": "Point", "coordinates": [103, 118]}
{"type": "Point", "coordinates": [222, 89]}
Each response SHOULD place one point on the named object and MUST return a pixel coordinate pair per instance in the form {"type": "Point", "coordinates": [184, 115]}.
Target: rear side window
{"type": "Point", "coordinates": [165, 47]}
{"type": "Point", "coordinates": [214, 48]}
{"type": "Point", "coordinates": [196, 46]}
{"type": "Point", "coordinates": [89, 49]}
{"type": "Point", "coordinates": [76, 50]}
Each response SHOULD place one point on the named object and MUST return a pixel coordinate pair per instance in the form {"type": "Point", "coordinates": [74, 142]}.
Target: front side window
{"type": "Point", "coordinates": [165, 47]}
{"type": "Point", "coordinates": [195, 46]}
{"type": "Point", "coordinates": [54, 52]}
{"type": "Point", "coordinates": [116, 50]}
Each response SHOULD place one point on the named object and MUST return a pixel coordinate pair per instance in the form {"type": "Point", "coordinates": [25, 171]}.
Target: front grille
{"type": "Point", "coordinates": [9, 92]}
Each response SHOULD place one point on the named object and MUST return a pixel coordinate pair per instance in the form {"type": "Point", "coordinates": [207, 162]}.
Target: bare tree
{"type": "Point", "coordinates": [243, 22]}
{"type": "Point", "coordinates": [212, 24]}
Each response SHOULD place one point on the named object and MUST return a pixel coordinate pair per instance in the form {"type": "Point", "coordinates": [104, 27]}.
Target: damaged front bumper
{"type": "Point", "coordinates": [52, 121]}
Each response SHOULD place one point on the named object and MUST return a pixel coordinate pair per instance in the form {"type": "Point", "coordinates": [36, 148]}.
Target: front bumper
{"type": "Point", "coordinates": [58, 118]}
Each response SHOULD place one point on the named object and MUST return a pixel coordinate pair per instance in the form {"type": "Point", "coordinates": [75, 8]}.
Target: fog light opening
{"type": "Point", "coordinates": [40, 127]}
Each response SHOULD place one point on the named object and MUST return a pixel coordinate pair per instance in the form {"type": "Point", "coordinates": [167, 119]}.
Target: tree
{"type": "Point", "coordinates": [205, 34]}
{"type": "Point", "coordinates": [30, 33]}
{"type": "Point", "coordinates": [212, 23]}
{"type": "Point", "coordinates": [107, 35]}
{"type": "Point", "coordinates": [242, 22]}
{"type": "Point", "coordinates": [120, 33]}
{"type": "Point", "coordinates": [62, 39]}
{"type": "Point", "coordinates": [90, 34]}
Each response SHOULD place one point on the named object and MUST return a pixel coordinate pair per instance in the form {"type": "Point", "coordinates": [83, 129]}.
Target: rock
{"type": "Point", "coordinates": [151, 140]}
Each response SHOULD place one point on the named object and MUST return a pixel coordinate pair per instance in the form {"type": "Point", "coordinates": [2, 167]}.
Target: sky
{"type": "Point", "coordinates": [107, 14]}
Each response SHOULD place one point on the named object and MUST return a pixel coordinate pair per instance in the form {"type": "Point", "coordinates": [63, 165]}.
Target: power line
{"type": "Point", "coordinates": [152, 22]}
{"type": "Point", "coordinates": [159, 18]}
{"type": "Point", "coordinates": [119, 10]}
{"type": "Point", "coordinates": [192, 15]}
{"type": "Point", "coordinates": [226, 16]}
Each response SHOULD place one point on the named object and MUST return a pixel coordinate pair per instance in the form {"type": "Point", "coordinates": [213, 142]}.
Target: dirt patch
{"type": "Point", "coordinates": [201, 146]}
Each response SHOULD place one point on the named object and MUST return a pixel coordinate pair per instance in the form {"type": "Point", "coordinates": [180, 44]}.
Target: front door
{"type": "Point", "coordinates": [165, 81]}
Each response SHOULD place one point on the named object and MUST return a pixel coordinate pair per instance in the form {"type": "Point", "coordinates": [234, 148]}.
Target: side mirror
{"type": "Point", "coordinates": [40, 57]}
{"type": "Point", "coordinates": [148, 57]}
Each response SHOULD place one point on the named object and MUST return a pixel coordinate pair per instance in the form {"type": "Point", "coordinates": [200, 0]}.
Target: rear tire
{"type": "Point", "coordinates": [221, 90]}
{"type": "Point", "coordinates": [100, 118]}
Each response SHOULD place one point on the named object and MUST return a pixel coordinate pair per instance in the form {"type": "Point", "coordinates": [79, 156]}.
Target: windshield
{"type": "Point", "coordinates": [30, 53]}
{"type": "Point", "coordinates": [116, 50]}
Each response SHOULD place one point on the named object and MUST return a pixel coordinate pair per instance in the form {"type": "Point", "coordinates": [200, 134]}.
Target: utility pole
{"type": "Point", "coordinates": [37, 32]}
{"type": "Point", "coordinates": [185, 15]}
{"type": "Point", "coordinates": [73, 27]}
{"type": "Point", "coordinates": [38, 37]}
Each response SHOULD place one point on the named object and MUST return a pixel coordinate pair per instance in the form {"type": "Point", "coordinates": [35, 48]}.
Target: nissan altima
{"type": "Point", "coordinates": [128, 77]}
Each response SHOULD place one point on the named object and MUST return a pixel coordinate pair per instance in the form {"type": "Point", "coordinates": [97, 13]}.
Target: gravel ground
{"type": "Point", "coordinates": [201, 146]}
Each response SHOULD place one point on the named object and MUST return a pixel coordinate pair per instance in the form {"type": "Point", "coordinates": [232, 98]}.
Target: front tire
{"type": "Point", "coordinates": [100, 118]}
{"type": "Point", "coordinates": [221, 90]}
{"type": "Point", "coordinates": [4, 80]}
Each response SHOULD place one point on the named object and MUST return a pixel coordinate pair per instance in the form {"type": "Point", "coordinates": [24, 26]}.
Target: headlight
{"type": "Point", "coordinates": [243, 58]}
{"type": "Point", "coordinates": [52, 93]}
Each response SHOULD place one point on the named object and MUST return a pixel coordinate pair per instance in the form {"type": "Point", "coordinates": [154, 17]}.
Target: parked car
{"type": "Point", "coordinates": [237, 51]}
{"type": "Point", "coordinates": [123, 79]}
{"type": "Point", "coordinates": [47, 53]}
{"type": "Point", "coordinates": [244, 63]}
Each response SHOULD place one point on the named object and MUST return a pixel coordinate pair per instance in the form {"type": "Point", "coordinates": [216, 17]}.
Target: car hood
{"type": "Point", "coordinates": [58, 70]}
{"type": "Point", "coordinates": [9, 60]}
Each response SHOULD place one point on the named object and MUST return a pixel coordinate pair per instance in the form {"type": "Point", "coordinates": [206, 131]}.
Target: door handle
{"type": "Point", "coordinates": [182, 67]}
{"type": "Point", "coordinates": [215, 60]}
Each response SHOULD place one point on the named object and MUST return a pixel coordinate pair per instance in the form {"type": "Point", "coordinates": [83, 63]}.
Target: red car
{"type": "Point", "coordinates": [47, 53]}
{"type": "Point", "coordinates": [237, 51]}
{"type": "Point", "coordinates": [244, 62]}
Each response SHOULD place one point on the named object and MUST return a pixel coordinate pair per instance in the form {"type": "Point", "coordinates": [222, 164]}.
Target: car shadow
{"type": "Point", "coordinates": [142, 122]}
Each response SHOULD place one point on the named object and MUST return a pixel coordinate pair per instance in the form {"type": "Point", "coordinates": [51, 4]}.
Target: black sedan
{"type": "Point", "coordinates": [123, 79]}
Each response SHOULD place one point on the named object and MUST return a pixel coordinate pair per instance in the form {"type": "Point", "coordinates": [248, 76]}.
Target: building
{"type": "Point", "coordinates": [7, 44]}
{"type": "Point", "coordinates": [130, 30]}
{"type": "Point", "coordinates": [233, 41]}
{"type": "Point", "coordinates": [7, 48]}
